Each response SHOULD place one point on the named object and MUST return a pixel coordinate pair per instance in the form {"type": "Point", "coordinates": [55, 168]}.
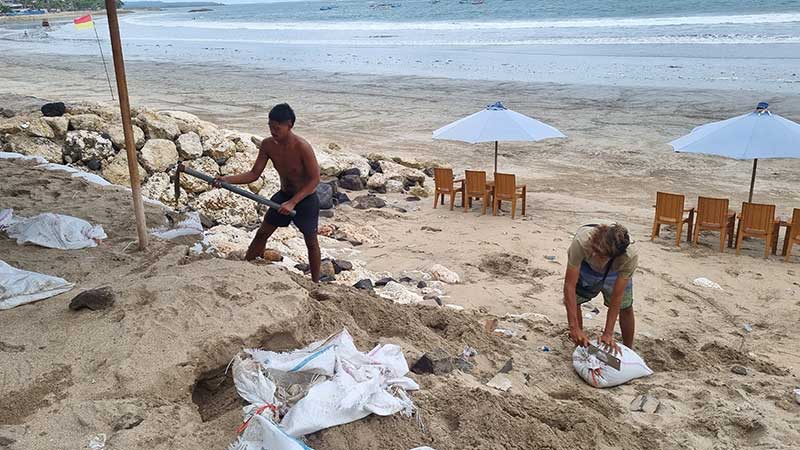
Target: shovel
{"type": "Point", "coordinates": [235, 189]}
{"type": "Point", "coordinates": [609, 359]}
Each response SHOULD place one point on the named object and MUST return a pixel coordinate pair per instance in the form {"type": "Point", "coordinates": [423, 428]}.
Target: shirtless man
{"type": "Point", "coordinates": [297, 166]}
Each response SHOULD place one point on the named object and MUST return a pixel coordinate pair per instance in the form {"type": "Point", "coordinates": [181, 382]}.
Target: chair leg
{"type": "Point", "coordinates": [513, 207]}
{"type": "Point", "coordinates": [452, 200]}
{"type": "Point", "coordinates": [484, 204]}
{"type": "Point", "coordinates": [656, 226]}
{"type": "Point", "coordinates": [770, 239]}
{"type": "Point", "coordinates": [435, 199]}
{"type": "Point", "coordinates": [788, 252]}
{"type": "Point", "coordinates": [722, 235]}
{"type": "Point", "coordinates": [731, 233]}
{"type": "Point", "coordinates": [678, 232]}
{"type": "Point", "coordinates": [466, 203]}
{"type": "Point", "coordinates": [739, 237]}
{"type": "Point", "coordinates": [524, 198]}
{"type": "Point", "coordinates": [696, 236]}
{"type": "Point", "coordinates": [494, 206]}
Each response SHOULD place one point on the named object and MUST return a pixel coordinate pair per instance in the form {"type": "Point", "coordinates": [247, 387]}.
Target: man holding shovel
{"type": "Point", "coordinates": [297, 167]}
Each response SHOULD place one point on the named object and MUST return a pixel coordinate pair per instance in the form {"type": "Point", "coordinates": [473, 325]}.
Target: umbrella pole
{"type": "Point", "coordinates": [495, 159]}
{"type": "Point", "coordinates": [753, 180]}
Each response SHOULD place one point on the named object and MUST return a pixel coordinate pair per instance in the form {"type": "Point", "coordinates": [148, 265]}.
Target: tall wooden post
{"type": "Point", "coordinates": [125, 110]}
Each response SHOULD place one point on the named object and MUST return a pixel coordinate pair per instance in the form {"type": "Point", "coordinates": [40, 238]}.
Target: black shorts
{"type": "Point", "coordinates": [306, 219]}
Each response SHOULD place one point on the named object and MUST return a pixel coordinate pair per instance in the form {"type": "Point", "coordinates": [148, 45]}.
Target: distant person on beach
{"type": "Point", "coordinates": [601, 260]}
{"type": "Point", "coordinates": [297, 166]}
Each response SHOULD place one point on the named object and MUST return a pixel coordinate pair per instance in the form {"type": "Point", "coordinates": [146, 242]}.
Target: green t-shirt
{"type": "Point", "coordinates": [580, 251]}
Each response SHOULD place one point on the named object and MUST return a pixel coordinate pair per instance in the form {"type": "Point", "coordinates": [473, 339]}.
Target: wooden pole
{"type": "Point", "coordinates": [125, 110]}
{"type": "Point", "coordinates": [753, 180]}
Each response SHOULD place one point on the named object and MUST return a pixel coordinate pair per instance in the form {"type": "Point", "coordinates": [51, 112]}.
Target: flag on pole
{"type": "Point", "coordinates": [84, 23]}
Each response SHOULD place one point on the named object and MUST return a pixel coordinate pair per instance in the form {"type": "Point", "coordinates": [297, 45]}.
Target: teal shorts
{"type": "Point", "coordinates": [590, 277]}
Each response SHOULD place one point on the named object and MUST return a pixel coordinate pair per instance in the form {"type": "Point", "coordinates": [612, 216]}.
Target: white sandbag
{"type": "Point", "coordinates": [18, 287]}
{"type": "Point", "coordinates": [600, 375]}
{"type": "Point", "coordinates": [318, 358]}
{"type": "Point", "coordinates": [187, 227]}
{"type": "Point", "coordinates": [12, 155]}
{"type": "Point", "coordinates": [263, 434]}
{"type": "Point", "coordinates": [53, 231]}
{"type": "Point", "coordinates": [90, 177]}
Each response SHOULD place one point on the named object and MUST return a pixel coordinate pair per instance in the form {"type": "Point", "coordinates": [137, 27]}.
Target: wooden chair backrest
{"type": "Point", "coordinates": [757, 218]}
{"type": "Point", "coordinates": [475, 181]}
{"type": "Point", "coordinates": [443, 177]}
{"type": "Point", "coordinates": [712, 211]}
{"type": "Point", "coordinates": [795, 233]}
{"type": "Point", "coordinates": [505, 185]}
{"type": "Point", "coordinates": [669, 207]}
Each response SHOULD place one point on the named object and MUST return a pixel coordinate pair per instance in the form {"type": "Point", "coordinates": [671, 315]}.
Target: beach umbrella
{"type": "Point", "coordinates": [757, 135]}
{"type": "Point", "coordinates": [496, 123]}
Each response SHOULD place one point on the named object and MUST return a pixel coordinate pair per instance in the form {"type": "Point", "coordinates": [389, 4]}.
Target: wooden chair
{"type": "Point", "coordinates": [713, 214]}
{"type": "Point", "coordinates": [757, 220]}
{"type": "Point", "coordinates": [669, 211]}
{"type": "Point", "coordinates": [475, 187]}
{"type": "Point", "coordinates": [445, 184]}
{"type": "Point", "coordinates": [792, 234]}
{"type": "Point", "coordinates": [505, 188]}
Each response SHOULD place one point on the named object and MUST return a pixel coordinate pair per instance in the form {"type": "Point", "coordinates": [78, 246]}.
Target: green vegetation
{"type": "Point", "coordinates": [68, 5]}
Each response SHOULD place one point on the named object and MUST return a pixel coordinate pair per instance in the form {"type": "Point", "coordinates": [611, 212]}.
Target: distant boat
{"type": "Point", "coordinates": [326, 8]}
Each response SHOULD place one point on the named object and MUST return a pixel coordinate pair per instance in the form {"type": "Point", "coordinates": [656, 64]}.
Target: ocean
{"type": "Point", "coordinates": [716, 44]}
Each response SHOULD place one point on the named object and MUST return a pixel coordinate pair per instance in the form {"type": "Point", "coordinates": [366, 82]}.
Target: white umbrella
{"type": "Point", "coordinates": [496, 123]}
{"type": "Point", "coordinates": [757, 135]}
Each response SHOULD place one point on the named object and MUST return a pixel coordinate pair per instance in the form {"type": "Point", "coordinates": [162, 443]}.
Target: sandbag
{"type": "Point", "coordinates": [600, 375]}
{"type": "Point", "coordinates": [18, 287]}
{"type": "Point", "coordinates": [51, 230]}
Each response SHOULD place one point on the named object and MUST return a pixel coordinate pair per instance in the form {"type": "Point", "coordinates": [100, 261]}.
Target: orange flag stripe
{"type": "Point", "coordinates": [84, 19]}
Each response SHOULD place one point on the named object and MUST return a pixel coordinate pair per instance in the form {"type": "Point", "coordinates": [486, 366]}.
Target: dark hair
{"type": "Point", "coordinates": [610, 240]}
{"type": "Point", "coordinates": [282, 113]}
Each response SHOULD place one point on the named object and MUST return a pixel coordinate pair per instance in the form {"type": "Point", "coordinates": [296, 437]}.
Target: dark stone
{"type": "Point", "coordinates": [422, 285]}
{"type": "Point", "coordinates": [56, 109]}
{"type": "Point", "coordinates": [342, 265]}
{"type": "Point", "coordinates": [436, 361]}
{"type": "Point", "coordinates": [462, 364]}
{"type": "Point", "coordinates": [402, 210]}
{"type": "Point", "coordinates": [406, 280]}
{"type": "Point", "coordinates": [341, 197]}
{"type": "Point", "coordinates": [428, 171]}
{"type": "Point", "coordinates": [739, 370]}
{"type": "Point", "coordinates": [7, 113]}
{"type": "Point", "coordinates": [327, 278]}
{"type": "Point", "coordinates": [507, 366]}
{"type": "Point", "coordinates": [434, 298]}
{"type": "Point", "coordinates": [413, 198]}
{"type": "Point", "coordinates": [368, 201]}
{"type": "Point", "coordinates": [351, 183]}
{"type": "Point", "coordinates": [353, 171]}
{"type": "Point", "coordinates": [93, 299]}
{"type": "Point", "coordinates": [302, 267]}
{"type": "Point", "coordinates": [207, 222]}
{"type": "Point", "coordinates": [93, 164]}
{"type": "Point", "coordinates": [384, 281]}
{"type": "Point", "coordinates": [365, 284]}
{"type": "Point", "coordinates": [408, 184]}
{"type": "Point", "coordinates": [427, 228]}
{"type": "Point", "coordinates": [221, 161]}
{"type": "Point", "coordinates": [375, 166]}
{"type": "Point", "coordinates": [4, 441]}
{"type": "Point", "coordinates": [327, 213]}
{"type": "Point", "coordinates": [325, 194]}
{"type": "Point", "coordinates": [355, 242]}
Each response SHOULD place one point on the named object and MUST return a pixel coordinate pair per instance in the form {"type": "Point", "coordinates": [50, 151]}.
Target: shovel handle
{"type": "Point", "coordinates": [235, 189]}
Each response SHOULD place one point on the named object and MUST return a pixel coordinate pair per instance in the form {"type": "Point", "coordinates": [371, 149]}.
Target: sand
{"type": "Point", "coordinates": [147, 372]}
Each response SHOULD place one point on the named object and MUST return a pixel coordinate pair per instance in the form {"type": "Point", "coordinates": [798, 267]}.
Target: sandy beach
{"type": "Point", "coordinates": [133, 371]}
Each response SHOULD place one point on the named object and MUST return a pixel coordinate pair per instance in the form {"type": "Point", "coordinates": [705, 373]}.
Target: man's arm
{"type": "Point", "coordinates": [311, 168]}
{"type": "Point", "coordinates": [254, 173]}
{"type": "Point", "coordinates": [576, 332]}
{"type": "Point", "coordinates": [614, 305]}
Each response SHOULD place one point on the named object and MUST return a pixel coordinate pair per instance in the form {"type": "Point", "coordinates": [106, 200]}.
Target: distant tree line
{"type": "Point", "coordinates": [66, 5]}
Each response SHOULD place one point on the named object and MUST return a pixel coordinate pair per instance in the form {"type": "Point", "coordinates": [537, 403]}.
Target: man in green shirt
{"type": "Point", "coordinates": [601, 260]}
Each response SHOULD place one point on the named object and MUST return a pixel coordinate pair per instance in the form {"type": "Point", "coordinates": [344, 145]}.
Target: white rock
{"type": "Point", "coordinates": [157, 126]}
{"type": "Point", "coordinates": [377, 182]}
{"type": "Point", "coordinates": [218, 146]}
{"type": "Point", "coordinates": [35, 146]}
{"type": "Point", "coordinates": [238, 163]}
{"type": "Point", "coordinates": [37, 127]}
{"type": "Point", "coordinates": [189, 146]}
{"type": "Point", "coordinates": [227, 208]}
{"type": "Point", "coordinates": [59, 125]}
{"type": "Point", "coordinates": [706, 283]}
{"type": "Point", "coordinates": [86, 145]}
{"type": "Point", "coordinates": [394, 186]}
{"type": "Point", "coordinates": [442, 273]}
{"type": "Point", "coordinates": [205, 165]}
{"type": "Point", "coordinates": [89, 122]}
{"type": "Point", "coordinates": [332, 163]}
{"type": "Point", "coordinates": [181, 116]}
{"type": "Point", "coordinates": [399, 294]}
{"type": "Point", "coordinates": [159, 187]}
{"type": "Point", "coordinates": [271, 182]}
{"type": "Point", "coordinates": [103, 110]}
{"type": "Point", "coordinates": [395, 171]}
{"type": "Point", "coordinates": [117, 170]}
{"type": "Point", "coordinates": [117, 134]}
{"type": "Point", "coordinates": [226, 239]}
{"type": "Point", "coordinates": [158, 154]}
{"type": "Point", "coordinates": [244, 142]}
{"type": "Point", "coordinates": [421, 191]}
{"type": "Point", "coordinates": [501, 382]}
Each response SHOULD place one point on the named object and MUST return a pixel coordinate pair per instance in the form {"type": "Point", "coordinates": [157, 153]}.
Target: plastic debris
{"type": "Point", "coordinates": [747, 327]}
{"type": "Point", "coordinates": [544, 348]}
{"type": "Point", "coordinates": [97, 442]}
{"type": "Point", "coordinates": [706, 283]}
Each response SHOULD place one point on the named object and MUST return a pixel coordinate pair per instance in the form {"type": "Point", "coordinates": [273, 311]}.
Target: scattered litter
{"type": "Point", "coordinates": [550, 257]}
{"type": "Point", "coordinates": [797, 395]}
{"type": "Point", "coordinates": [706, 283]}
{"type": "Point", "coordinates": [18, 287]}
{"type": "Point", "coordinates": [601, 375]}
{"type": "Point", "coordinates": [545, 349]}
{"type": "Point", "coordinates": [645, 403]}
{"type": "Point", "coordinates": [469, 352]}
{"type": "Point", "coordinates": [456, 307]}
{"type": "Point", "coordinates": [97, 442]}
{"type": "Point", "coordinates": [423, 448]}
{"type": "Point", "coordinates": [528, 317]}
{"type": "Point", "coordinates": [747, 327]}
{"type": "Point", "coordinates": [501, 382]}
{"type": "Point", "coordinates": [189, 226]}
{"type": "Point", "coordinates": [51, 230]}
{"type": "Point", "coordinates": [12, 155]}
{"type": "Point", "coordinates": [592, 314]}
{"type": "Point", "coordinates": [502, 332]}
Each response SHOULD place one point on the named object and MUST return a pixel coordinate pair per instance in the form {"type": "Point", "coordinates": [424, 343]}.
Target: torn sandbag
{"type": "Point", "coordinates": [18, 287]}
{"type": "Point", "coordinates": [325, 384]}
{"type": "Point", "coordinates": [52, 230]}
{"type": "Point", "coordinates": [189, 226]}
{"type": "Point", "coordinates": [601, 375]}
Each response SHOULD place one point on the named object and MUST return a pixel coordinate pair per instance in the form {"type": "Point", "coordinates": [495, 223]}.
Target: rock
{"type": "Point", "coordinates": [400, 294]}
{"type": "Point", "coordinates": [38, 127]}
{"type": "Point", "coordinates": [365, 284]}
{"type": "Point", "coordinates": [205, 165]}
{"type": "Point", "coordinates": [351, 183]}
{"type": "Point", "coordinates": [739, 370]}
{"type": "Point", "coordinates": [375, 166]}
{"type": "Point", "coordinates": [368, 201]}
{"type": "Point", "coordinates": [93, 299]}
{"type": "Point", "coordinates": [428, 171]}
{"type": "Point", "coordinates": [507, 366]}
{"type": "Point", "coordinates": [302, 267]}
{"type": "Point", "coordinates": [437, 362]}
{"type": "Point", "coordinates": [56, 109]}
{"type": "Point", "coordinates": [239, 163]}
{"type": "Point", "coordinates": [431, 229]}
{"type": "Point", "coordinates": [102, 110]}
{"type": "Point", "coordinates": [422, 285]}
{"type": "Point", "coordinates": [395, 171]}
{"type": "Point", "coordinates": [327, 279]}
{"type": "Point", "coordinates": [383, 281]}
{"type": "Point", "coordinates": [377, 183]}
{"type": "Point", "coordinates": [408, 280]}
{"type": "Point", "coordinates": [462, 364]}
{"type": "Point", "coordinates": [7, 113]}
{"type": "Point", "coordinates": [327, 268]}
{"type": "Point", "coordinates": [89, 122]}
{"type": "Point", "coordinates": [158, 154]}
{"type": "Point", "coordinates": [341, 198]}
{"type": "Point", "coordinates": [227, 208]}
{"type": "Point", "coordinates": [340, 265]}
{"type": "Point", "coordinates": [117, 170]}
{"type": "Point", "coordinates": [158, 126]}
{"type": "Point", "coordinates": [189, 146]}
{"type": "Point", "coordinates": [435, 299]}
{"type": "Point", "coordinates": [59, 125]}
{"type": "Point", "coordinates": [351, 171]}
{"type": "Point", "coordinates": [442, 273]}
{"type": "Point", "coordinates": [180, 116]}
{"type": "Point", "coordinates": [645, 403]}
{"type": "Point", "coordinates": [420, 191]}
{"type": "Point", "coordinates": [272, 255]}
{"type": "Point", "coordinates": [159, 187]}
{"type": "Point", "coordinates": [117, 135]}
{"type": "Point", "coordinates": [218, 146]}
{"type": "Point", "coordinates": [394, 187]}
{"type": "Point", "coordinates": [326, 213]}
{"type": "Point", "coordinates": [13, 125]}
{"type": "Point", "coordinates": [501, 382]}
{"type": "Point", "coordinates": [325, 194]}
{"type": "Point", "coordinates": [334, 162]}
{"type": "Point", "coordinates": [412, 198]}
{"type": "Point", "coordinates": [34, 146]}
{"type": "Point", "coordinates": [86, 145]}
{"type": "Point", "coordinates": [94, 164]}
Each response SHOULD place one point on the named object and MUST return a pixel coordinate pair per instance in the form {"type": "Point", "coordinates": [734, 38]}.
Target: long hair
{"type": "Point", "coordinates": [610, 240]}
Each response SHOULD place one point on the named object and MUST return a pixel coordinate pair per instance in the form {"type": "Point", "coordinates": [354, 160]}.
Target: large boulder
{"type": "Point", "coordinates": [157, 126]}
{"type": "Point", "coordinates": [117, 170]}
{"type": "Point", "coordinates": [106, 112]}
{"type": "Point", "coordinates": [34, 146]}
{"type": "Point", "coordinates": [56, 109]}
{"type": "Point", "coordinates": [59, 125]}
{"type": "Point", "coordinates": [117, 135]}
{"type": "Point", "coordinates": [227, 208]}
{"type": "Point", "coordinates": [237, 164]}
{"type": "Point", "coordinates": [218, 146]}
{"type": "Point", "coordinates": [395, 171]}
{"type": "Point", "coordinates": [158, 154]}
{"type": "Point", "coordinates": [244, 142]}
{"type": "Point", "coordinates": [85, 146]}
{"type": "Point", "coordinates": [368, 201]}
{"type": "Point", "coordinates": [90, 122]}
{"type": "Point", "coordinates": [159, 187]}
{"type": "Point", "coordinates": [11, 125]}
{"type": "Point", "coordinates": [325, 194]}
{"type": "Point", "coordinates": [271, 182]}
{"type": "Point", "coordinates": [189, 146]}
{"type": "Point", "coordinates": [181, 116]}
{"type": "Point", "coordinates": [421, 191]}
{"type": "Point", "coordinates": [351, 183]}
{"type": "Point", "coordinates": [205, 165]}
{"type": "Point", "coordinates": [394, 186]}
{"type": "Point", "coordinates": [377, 182]}
{"type": "Point", "coordinates": [332, 163]}
{"type": "Point", "coordinates": [37, 127]}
